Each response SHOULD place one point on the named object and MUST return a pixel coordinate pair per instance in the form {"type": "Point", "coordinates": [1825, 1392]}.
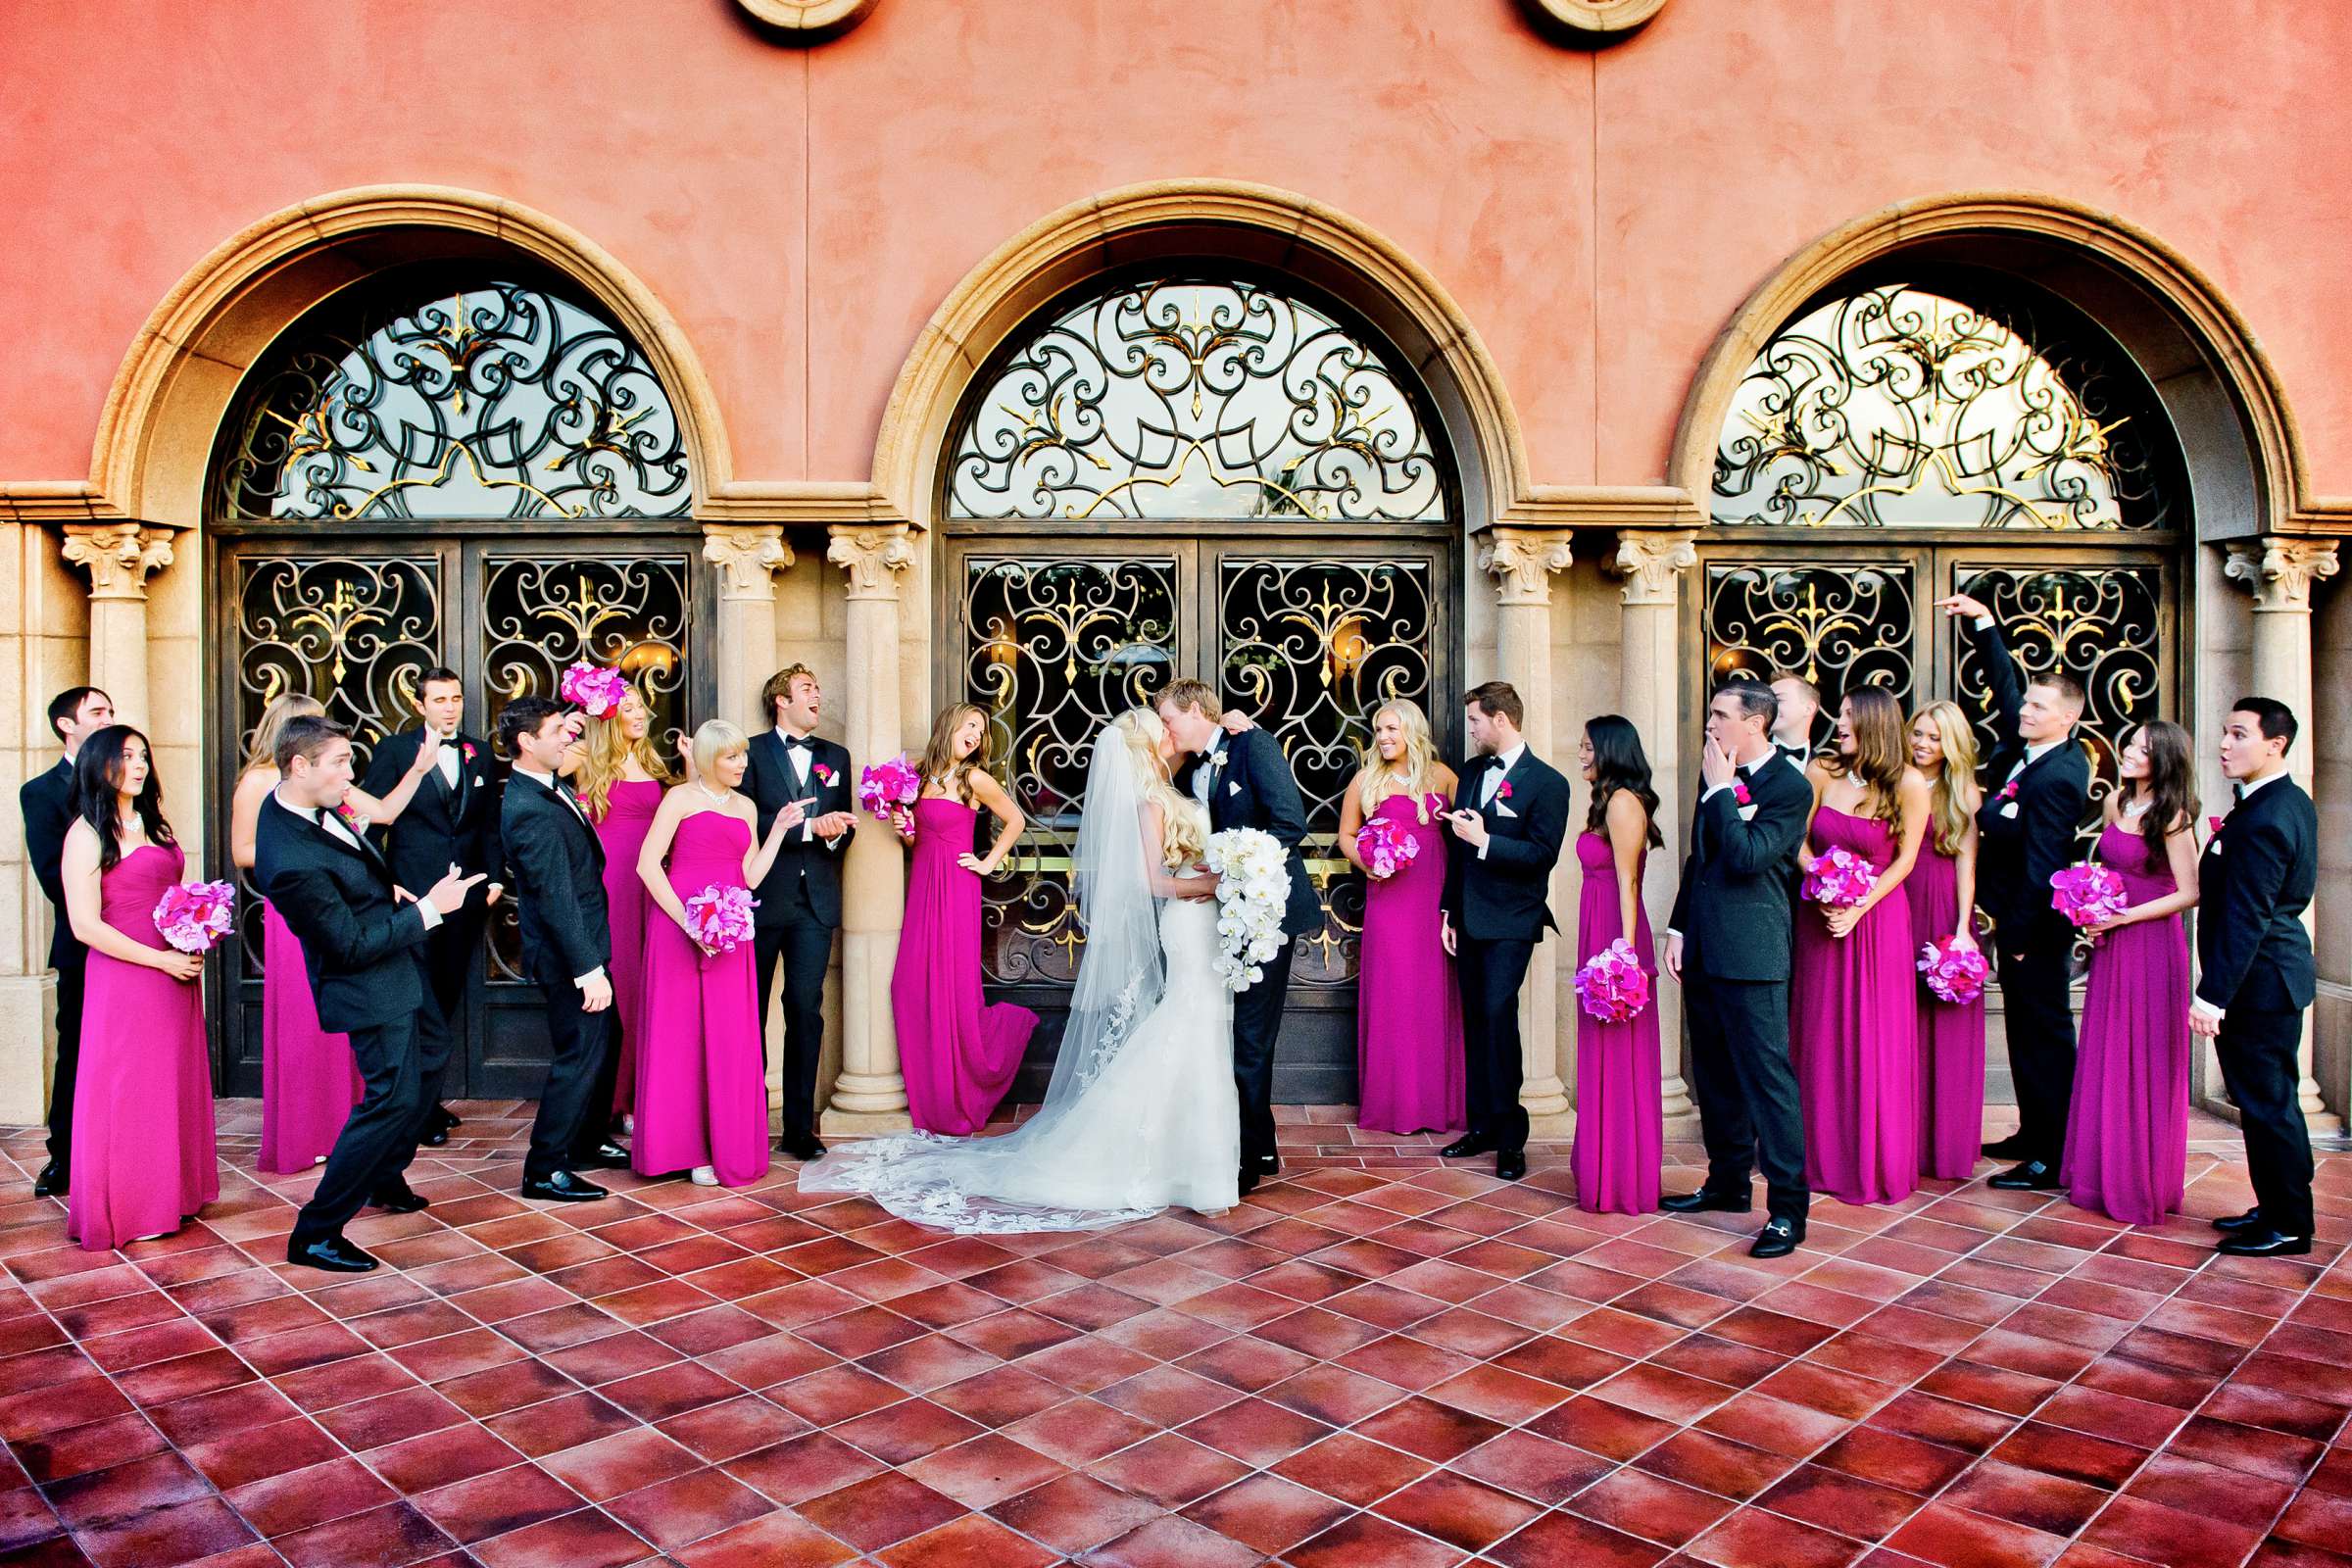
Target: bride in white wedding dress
{"type": "Point", "coordinates": [1141, 1112]}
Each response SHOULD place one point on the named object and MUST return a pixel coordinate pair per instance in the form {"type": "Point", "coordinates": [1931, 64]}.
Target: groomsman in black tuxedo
{"type": "Point", "coordinates": [2254, 881]}
{"type": "Point", "coordinates": [1245, 781]}
{"type": "Point", "coordinates": [47, 802]}
{"type": "Point", "coordinates": [2035, 789]}
{"type": "Point", "coordinates": [1509, 818]}
{"type": "Point", "coordinates": [1800, 705]}
{"type": "Point", "coordinates": [366, 955]}
{"type": "Point", "coordinates": [799, 898]}
{"type": "Point", "coordinates": [1729, 944]}
{"type": "Point", "coordinates": [451, 820]}
{"type": "Point", "coordinates": [558, 864]}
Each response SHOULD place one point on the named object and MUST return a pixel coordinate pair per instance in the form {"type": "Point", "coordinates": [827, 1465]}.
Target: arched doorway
{"type": "Point", "coordinates": [462, 463]}
{"type": "Point", "coordinates": [1207, 468]}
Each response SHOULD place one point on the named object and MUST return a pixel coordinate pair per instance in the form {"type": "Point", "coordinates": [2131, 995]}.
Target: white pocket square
{"type": "Point", "coordinates": [1234, 788]}
{"type": "Point", "coordinates": [1747, 813]}
{"type": "Point", "coordinates": [1501, 809]}
{"type": "Point", "coordinates": [2010, 809]}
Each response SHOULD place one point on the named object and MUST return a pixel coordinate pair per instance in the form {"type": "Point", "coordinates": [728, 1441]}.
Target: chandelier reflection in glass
{"type": "Point", "coordinates": [1184, 397]}
{"type": "Point", "coordinates": [1897, 407]}
{"type": "Point", "coordinates": [498, 401]}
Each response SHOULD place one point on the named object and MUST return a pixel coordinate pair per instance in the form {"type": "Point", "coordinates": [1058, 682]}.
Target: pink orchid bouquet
{"type": "Point", "coordinates": [1839, 878]}
{"type": "Point", "coordinates": [192, 917]}
{"type": "Point", "coordinates": [593, 689]}
{"type": "Point", "coordinates": [1953, 973]}
{"type": "Point", "coordinates": [2088, 894]}
{"type": "Point", "coordinates": [888, 790]}
{"type": "Point", "coordinates": [1386, 847]}
{"type": "Point", "coordinates": [720, 918]}
{"type": "Point", "coordinates": [1612, 986]}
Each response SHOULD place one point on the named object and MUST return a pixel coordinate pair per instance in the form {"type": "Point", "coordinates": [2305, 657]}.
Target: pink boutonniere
{"type": "Point", "coordinates": [1503, 792]}
{"type": "Point", "coordinates": [2008, 791]}
{"type": "Point", "coordinates": [1739, 792]}
{"type": "Point", "coordinates": [824, 773]}
{"type": "Point", "coordinates": [2213, 825]}
{"type": "Point", "coordinates": [466, 749]}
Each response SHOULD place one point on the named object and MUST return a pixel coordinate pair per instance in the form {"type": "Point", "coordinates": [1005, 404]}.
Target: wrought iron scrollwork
{"type": "Point", "coordinates": [1842, 627]}
{"type": "Point", "coordinates": [499, 401]}
{"type": "Point", "coordinates": [1195, 398]}
{"type": "Point", "coordinates": [2102, 625]}
{"type": "Point", "coordinates": [1898, 406]}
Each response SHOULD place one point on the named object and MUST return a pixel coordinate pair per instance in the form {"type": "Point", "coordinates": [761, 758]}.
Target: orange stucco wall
{"type": "Point", "coordinates": [1598, 217]}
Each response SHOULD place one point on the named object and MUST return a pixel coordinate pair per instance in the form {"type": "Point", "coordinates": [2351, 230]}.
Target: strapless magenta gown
{"type": "Point", "coordinates": [1951, 1035]}
{"type": "Point", "coordinates": [630, 807]}
{"type": "Point", "coordinates": [702, 1079]}
{"type": "Point", "coordinates": [309, 1079]}
{"type": "Point", "coordinates": [1620, 1115]}
{"type": "Point", "coordinates": [143, 1155]}
{"type": "Point", "coordinates": [1854, 1033]}
{"type": "Point", "coordinates": [1408, 1011]}
{"type": "Point", "coordinates": [2127, 1135]}
{"type": "Point", "coordinates": [958, 1053]}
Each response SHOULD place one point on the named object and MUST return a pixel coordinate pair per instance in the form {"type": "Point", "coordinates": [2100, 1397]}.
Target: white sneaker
{"type": "Point", "coordinates": [705, 1176]}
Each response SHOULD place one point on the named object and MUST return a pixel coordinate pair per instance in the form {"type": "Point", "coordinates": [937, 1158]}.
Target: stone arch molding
{"type": "Point", "coordinates": [2244, 452]}
{"type": "Point", "coordinates": [156, 430]}
{"type": "Point", "coordinates": [1231, 219]}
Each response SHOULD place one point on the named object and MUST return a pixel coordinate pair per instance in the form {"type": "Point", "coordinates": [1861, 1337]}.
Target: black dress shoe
{"type": "Point", "coordinates": [1467, 1145]}
{"type": "Point", "coordinates": [801, 1146]}
{"type": "Point", "coordinates": [444, 1118]}
{"type": "Point", "coordinates": [2032, 1177]}
{"type": "Point", "coordinates": [2012, 1147]}
{"type": "Point", "coordinates": [1510, 1164]}
{"type": "Point", "coordinates": [606, 1155]}
{"type": "Point", "coordinates": [2263, 1241]}
{"type": "Point", "coordinates": [1778, 1239]}
{"type": "Point", "coordinates": [50, 1182]}
{"type": "Point", "coordinates": [333, 1253]}
{"type": "Point", "coordinates": [400, 1200]}
{"type": "Point", "coordinates": [1269, 1165]}
{"type": "Point", "coordinates": [563, 1188]}
{"type": "Point", "coordinates": [435, 1137]}
{"type": "Point", "coordinates": [1246, 1180]}
{"type": "Point", "coordinates": [2233, 1224]}
{"type": "Point", "coordinates": [1704, 1200]}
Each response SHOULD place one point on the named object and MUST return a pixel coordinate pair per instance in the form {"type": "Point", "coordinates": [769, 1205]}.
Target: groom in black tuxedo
{"type": "Point", "coordinates": [558, 864]}
{"type": "Point", "coordinates": [1729, 944]}
{"type": "Point", "coordinates": [366, 956]}
{"type": "Point", "coordinates": [2254, 881]}
{"type": "Point", "coordinates": [2035, 790]}
{"type": "Point", "coordinates": [1509, 818]}
{"type": "Point", "coordinates": [47, 802]}
{"type": "Point", "coordinates": [1245, 781]}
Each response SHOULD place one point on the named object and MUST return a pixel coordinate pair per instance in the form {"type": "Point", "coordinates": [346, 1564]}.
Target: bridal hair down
{"type": "Point", "coordinates": [1420, 759]}
{"type": "Point", "coordinates": [1181, 840]}
{"type": "Point", "coordinates": [263, 753]}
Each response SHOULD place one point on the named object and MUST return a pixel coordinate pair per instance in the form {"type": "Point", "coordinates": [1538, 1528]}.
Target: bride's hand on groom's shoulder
{"type": "Point", "coordinates": [1237, 723]}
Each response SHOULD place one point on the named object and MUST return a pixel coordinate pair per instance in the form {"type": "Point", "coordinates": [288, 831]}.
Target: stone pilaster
{"type": "Point", "coordinates": [120, 558]}
{"type": "Point", "coordinates": [870, 1095]}
{"type": "Point", "coordinates": [1653, 563]}
{"type": "Point", "coordinates": [1522, 561]}
{"type": "Point", "coordinates": [748, 556]}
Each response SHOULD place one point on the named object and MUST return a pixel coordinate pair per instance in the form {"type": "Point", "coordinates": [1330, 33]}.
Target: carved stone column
{"type": "Point", "coordinates": [1653, 563]}
{"type": "Point", "coordinates": [2282, 571]}
{"type": "Point", "coordinates": [870, 1095]}
{"type": "Point", "coordinates": [748, 556]}
{"type": "Point", "coordinates": [1522, 561]}
{"type": "Point", "coordinates": [120, 556]}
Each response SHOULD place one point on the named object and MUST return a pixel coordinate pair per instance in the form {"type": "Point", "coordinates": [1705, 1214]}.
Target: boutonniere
{"type": "Point", "coordinates": [1739, 792]}
{"type": "Point", "coordinates": [1214, 759]}
{"type": "Point", "coordinates": [2213, 825]}
{"type": "Point", "coordinates": [823, 772]}
{"type": "Point", "coordinates": [466, 749]}
{"type": "Point", "coordinates": [1502, 792]}
{"type": "Point", "coordinates": [2008, 791]}
{"type": "Point", "coordinates": [351, 818]}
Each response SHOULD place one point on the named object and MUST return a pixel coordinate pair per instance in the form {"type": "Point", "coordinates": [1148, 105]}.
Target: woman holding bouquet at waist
{"type": "Point", "coordinates": [1620, 1114]}
{"type": "Point", "coordinates": [702, 1080]}
{"type": "Point", "coordinates": [960, 1054]}
{"type": "Point", "coordinates": [1854, 1027]}
{"type": "Point", "coordinates": [1408, 1013]}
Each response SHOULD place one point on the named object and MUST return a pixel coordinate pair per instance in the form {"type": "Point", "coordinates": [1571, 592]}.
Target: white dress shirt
{"type": "Point", "coordinates": [1505, 760]}
{"type": "Point", "coordinates": [801, 754]}
{"type": "Point", "coordinates": [2245, 792]}
{"type": "Point", "coordinates": [547, 781]}
{"type": "Point", "coordinates": [1204, 773]}
{"type": "Point", "coordinates": [338, 828]}
{"type": "Point", "coordinates": [448, 762]}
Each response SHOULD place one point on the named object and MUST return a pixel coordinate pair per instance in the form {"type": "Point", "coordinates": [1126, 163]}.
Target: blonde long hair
{"type": "Point", "coordinates": [1181, 828]}
{"type": "Point", "coordinates": [605, 754]}
{"type": "Point", "coordinates": [939, 766]}
{"type": "Point", "coordinates": [1420, 759]}
{"type": "Point", "coordinates": [263, 753]}
{"type": "Point", "coordinates": [1947, 818]}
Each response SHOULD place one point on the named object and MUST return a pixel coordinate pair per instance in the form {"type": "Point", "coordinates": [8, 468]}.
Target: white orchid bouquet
{"type": "Point", "coordinates": [1253, 886]}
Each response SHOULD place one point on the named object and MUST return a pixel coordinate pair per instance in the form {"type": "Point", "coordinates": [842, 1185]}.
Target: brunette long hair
{"type": "Point", "coordinates": [98, 793]}
{"type": "Point", "coordinates": [1881, 751]}
{"type": "Point", "coordinates": [1619, 763]}
{"type": "Point", "coordinates": [940, 763]}
{"type": "Point", "coordinates": [2170, 786]}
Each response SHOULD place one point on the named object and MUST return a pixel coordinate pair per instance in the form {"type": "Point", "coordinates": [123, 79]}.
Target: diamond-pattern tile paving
{"type": "Point", "coordinates": [1378, 1359]}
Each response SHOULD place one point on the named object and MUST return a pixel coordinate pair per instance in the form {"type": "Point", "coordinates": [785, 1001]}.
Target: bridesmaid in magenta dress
{"type": "Point", "coordinates": [1942, 893]}
{"type": "Point", "coordinates": [1620, 1144]}
{"type": "Point", "coordinates": [2127, 1135]}
{"type": "Point", "coordinates": [620, 783]}
{"type": "Point", "coordinates": [1409, 1011]}
{"type": "Point", "coordinates": [701, 1072]}
{"type": "Point", "coordinates": [958, 1053]}
{"type": "Point", "coordinates": [1854, 1027]}
{"type": "Point", "coordinates": [308, 1080]}
{"type": "Point", "coordinates": [143, 1155]}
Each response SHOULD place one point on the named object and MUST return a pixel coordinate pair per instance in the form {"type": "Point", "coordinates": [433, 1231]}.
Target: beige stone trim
{"type": "Point", "coordinates": [2279, 572]}
{"type": "Point", "coordinates": [874, 558]}
{"type": "Point", "coordinates": [120, 556]}
{"type": "Point", "coordinates": [1652, 565]}
{"type": "Point", "coordinates": [1521, 561]}
{"type": "Point", "coordinates": [1593, 24]}
{"type": "Point", "coordinates": [748, 556]}
{"type": "Point", "coordinates": [808, 21]}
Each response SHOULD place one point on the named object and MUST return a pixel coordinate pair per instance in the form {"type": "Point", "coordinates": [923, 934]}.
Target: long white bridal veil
{"type": "Point", "coordinates": [979, 1185]}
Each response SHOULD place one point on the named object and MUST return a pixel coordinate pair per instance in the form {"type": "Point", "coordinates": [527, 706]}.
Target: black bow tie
{"type": "Point", "coordinates": [796, 744]}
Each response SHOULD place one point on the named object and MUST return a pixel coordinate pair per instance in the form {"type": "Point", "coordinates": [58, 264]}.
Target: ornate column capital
{"type": "Point", "coordinates": [1522, 561]}
{"type": "Point", "coordinates": [2279, 571]}
{"type": "Point", "coordinates": [120, 556]}
{"type": "Point", "coordinates": [749, 554]}
{"type": "Point", "coordinates": [873, 555]}
{"type": "Point", "coordinates": [1652, 562]}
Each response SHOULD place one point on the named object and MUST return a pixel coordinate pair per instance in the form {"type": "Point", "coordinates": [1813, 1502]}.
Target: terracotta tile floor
{"type": "Point", "coordinates": [1377, 1360]}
